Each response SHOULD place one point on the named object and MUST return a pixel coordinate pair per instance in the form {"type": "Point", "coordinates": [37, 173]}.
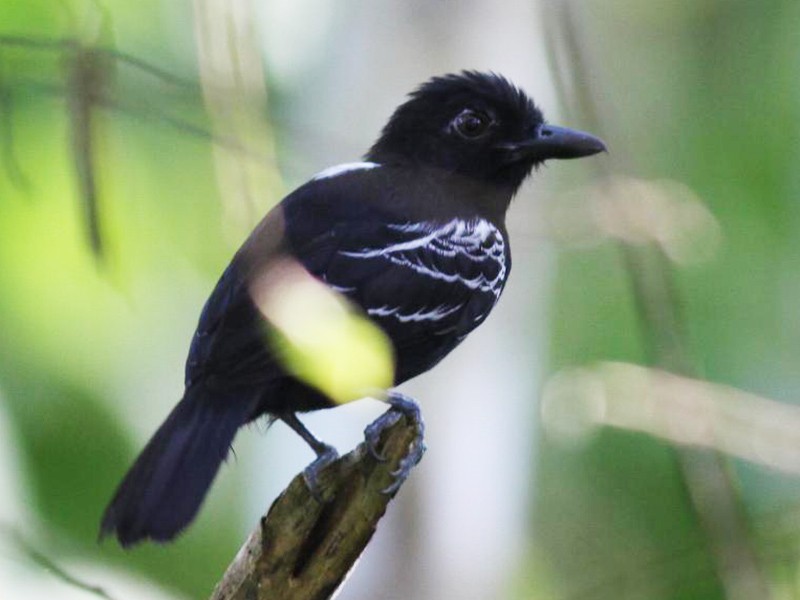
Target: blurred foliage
{"type": "Point", "coordinates": [75, 330]}
{"type": "Point", "coordinates": [320, 337]}
{"type": "Point", "coordinates": [705, 93]}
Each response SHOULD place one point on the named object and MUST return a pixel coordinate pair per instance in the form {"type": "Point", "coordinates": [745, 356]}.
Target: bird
{"type": "Point", "coordinates": [414, 236]}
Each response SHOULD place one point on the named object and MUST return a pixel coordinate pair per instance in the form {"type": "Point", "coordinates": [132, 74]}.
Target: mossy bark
{"type": "Point", "coordinates": [302, 548]}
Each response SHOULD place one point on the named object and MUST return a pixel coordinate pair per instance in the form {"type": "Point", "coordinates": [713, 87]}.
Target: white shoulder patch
{"type": "Point", "coordinates": [337, 170]}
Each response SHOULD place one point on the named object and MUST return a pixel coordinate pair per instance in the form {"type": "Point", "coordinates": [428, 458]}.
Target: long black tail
{"type": "Point", "coordinates": [165, 487]}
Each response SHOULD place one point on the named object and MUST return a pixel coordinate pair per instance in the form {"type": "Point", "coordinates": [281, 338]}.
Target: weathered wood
{"type": "Point", "coordinates": [303, 549]}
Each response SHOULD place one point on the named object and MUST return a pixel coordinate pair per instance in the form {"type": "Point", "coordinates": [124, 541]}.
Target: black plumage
{"type": "Point", "coordinates": [415, 236]}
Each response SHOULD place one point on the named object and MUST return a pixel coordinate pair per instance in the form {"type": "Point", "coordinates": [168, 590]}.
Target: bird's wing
{"type": "Point", "coordinates": [426, 283]}
{"type": "Point", "coordinates": [230, 341]}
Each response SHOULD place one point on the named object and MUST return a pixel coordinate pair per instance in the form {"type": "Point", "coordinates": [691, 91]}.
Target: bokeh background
{"type": "Point", "coordinates": [625, 424]}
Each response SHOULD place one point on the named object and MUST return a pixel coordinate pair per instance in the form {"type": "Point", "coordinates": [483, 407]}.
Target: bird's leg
{"type": "Point", "coordinates": [400, 405]}
{"type": "Point", "coordinates": [326, 454]}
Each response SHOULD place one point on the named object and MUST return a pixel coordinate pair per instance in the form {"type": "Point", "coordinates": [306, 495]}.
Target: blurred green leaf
{"type": "Point", "coordinates": [320, 337]}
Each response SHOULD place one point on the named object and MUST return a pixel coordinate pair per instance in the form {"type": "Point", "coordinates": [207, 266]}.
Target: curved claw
{"type": "Point", "coordinates": [404, 468]}
{"type": "Point", "coordinates": [372, 433]}
{"type": "Point", "coordinates": [327, 455]}
{"type": "Point", "coordinates": [401, 405]}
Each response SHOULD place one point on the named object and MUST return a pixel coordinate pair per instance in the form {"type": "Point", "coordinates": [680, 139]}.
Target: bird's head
{"type": "Point", "coordinates": [478, 125]}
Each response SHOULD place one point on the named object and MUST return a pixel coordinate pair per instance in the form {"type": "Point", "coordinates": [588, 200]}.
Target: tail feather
{"type": "Point", "coordinates": [165, 487]}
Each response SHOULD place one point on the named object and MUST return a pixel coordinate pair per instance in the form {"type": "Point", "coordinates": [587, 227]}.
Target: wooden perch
{"type": "Point", "coordinates": [303, 549]}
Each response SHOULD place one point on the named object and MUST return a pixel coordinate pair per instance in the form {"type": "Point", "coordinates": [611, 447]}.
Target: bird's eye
{"type": "Point", "coordinates": [471, 124]}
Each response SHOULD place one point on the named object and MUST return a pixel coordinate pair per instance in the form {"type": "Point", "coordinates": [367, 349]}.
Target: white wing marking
{"type": "Point", "coordinates": [434, 314]}
{"type": "Point", "coordinates": [457, 238]}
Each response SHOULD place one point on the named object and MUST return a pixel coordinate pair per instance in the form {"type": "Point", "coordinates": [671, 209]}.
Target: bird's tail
{"type": "Point", "coordinates": [165, 487]}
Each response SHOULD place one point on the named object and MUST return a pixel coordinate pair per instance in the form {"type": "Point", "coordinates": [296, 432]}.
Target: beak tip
{"type": "Point", "coordinates": [560, 142]}
{"type": "Point", "coordinates": [588, 145]}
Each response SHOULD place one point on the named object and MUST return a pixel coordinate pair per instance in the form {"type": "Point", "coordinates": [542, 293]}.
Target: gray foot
{"type": "Point", "coordinates": [400, 405]}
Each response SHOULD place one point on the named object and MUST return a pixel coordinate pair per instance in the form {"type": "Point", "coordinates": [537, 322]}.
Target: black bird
{"type": "Point", "coordinates": [415, 236]}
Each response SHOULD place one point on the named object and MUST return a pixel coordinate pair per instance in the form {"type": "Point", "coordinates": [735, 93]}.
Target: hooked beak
{"type": "Point", "coordinates": [552, 141]}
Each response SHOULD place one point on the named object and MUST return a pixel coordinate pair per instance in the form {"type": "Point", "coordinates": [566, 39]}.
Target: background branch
{"type": "Point", "coordinates": [708, 480]}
